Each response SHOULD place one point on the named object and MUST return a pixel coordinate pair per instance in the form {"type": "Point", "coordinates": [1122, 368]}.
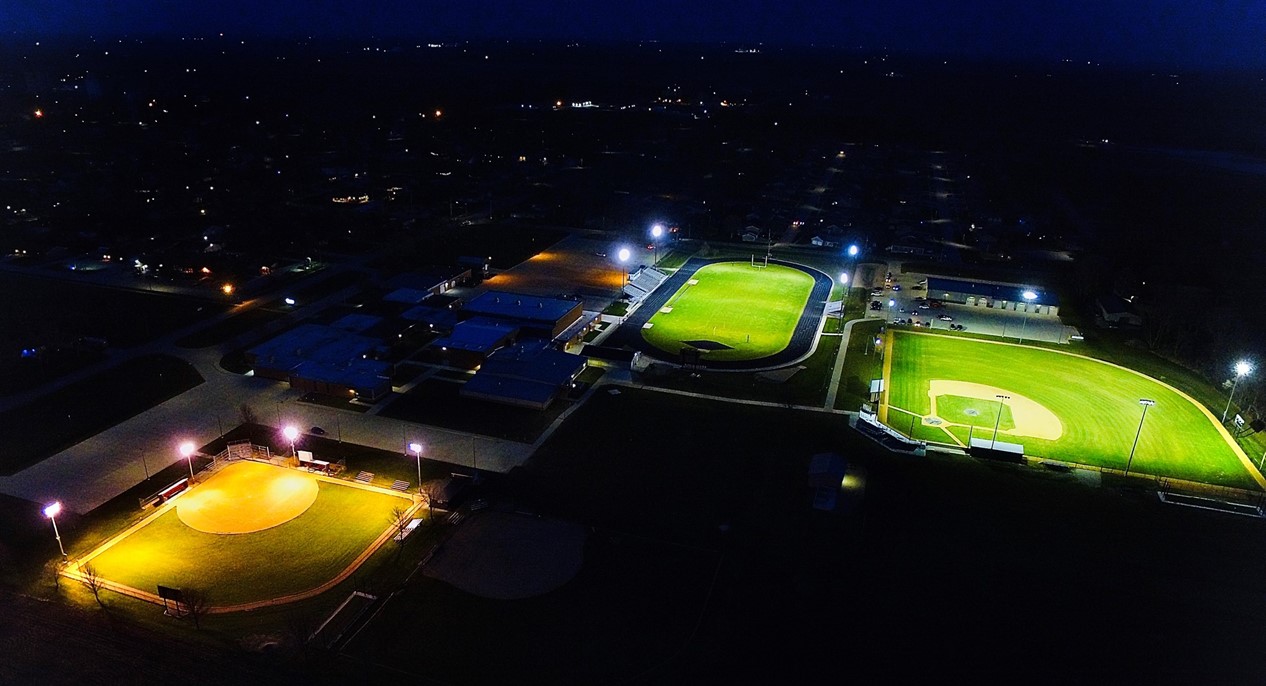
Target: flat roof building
{"type": "Point", "coordinates": [544, 317]}
{"type": "Point", "coordinates": [323, 359]}
{"type": "Point", "coordinates": [992, 294]}
{"type": "Point", "coordinates": [528, 375]}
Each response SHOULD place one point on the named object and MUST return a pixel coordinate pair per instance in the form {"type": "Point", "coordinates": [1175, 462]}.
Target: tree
{"type": "Point", "coordinates": [433, 492]}
{"type": "Point", "coordinates": [91, 579]}
{"type": "Point", "coordinates": [399, 519]}
{"type": "Point", "coordinates": [197, 602]}
{"type": "Point", "coordinates": [247, 413]}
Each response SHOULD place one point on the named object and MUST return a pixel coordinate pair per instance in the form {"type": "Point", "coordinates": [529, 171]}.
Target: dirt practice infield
{"type": "Point", "coordinates": [245, 497]}
{"type": "Point", "coordinates": [1029, 417]}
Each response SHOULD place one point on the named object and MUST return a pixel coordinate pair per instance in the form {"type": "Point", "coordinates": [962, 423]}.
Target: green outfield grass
{"type": "Point", "coordinates": [748, 312]}
{"type": "Point", "coordinates": [1096, 405]}
{"type": "Point", "coordinates": [296, 556]}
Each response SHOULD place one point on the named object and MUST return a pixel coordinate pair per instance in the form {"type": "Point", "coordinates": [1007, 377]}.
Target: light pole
{"type": "Point", "coordinates": [656, 231]}
{"type": "Point", "coordinates": [1242, 368]}
{"type": "Point", "coordinates": [624, 268]}
{"type": "Point", "coordinates": [1146, 403]}
{"type": "Point", "coordinates": [291, 434]}
{"type": "Point", "coordinates": [853, 250]}
{"type": "Point", "coordinates": [1029, 296]}
{"type": "Point", "coordinates": [51, 512]}
{"type": "Point", "coordinates": [417, 450]}
{"type": "Point", "coordinates": [892, 304]}
{"type": "Point", "coordinates": [998, 420]}
{"type": "Point", "coordinates": [186, 451]}
{"type": "Point", "coordinates": [844, 295]}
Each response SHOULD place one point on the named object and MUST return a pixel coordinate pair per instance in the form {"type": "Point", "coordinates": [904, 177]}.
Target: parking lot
{"type": "Point", "coordinates": [906, 296]}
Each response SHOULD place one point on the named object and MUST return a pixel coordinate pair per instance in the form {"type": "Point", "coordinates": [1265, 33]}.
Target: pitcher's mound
{"type": "Point", "coordinates": [245, 497]}
{"type": "Point", "coordinates": [506, 556]}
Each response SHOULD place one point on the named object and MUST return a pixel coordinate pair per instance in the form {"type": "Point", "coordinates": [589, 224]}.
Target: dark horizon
{"type": "Point", "coordinates": [1200, 35]}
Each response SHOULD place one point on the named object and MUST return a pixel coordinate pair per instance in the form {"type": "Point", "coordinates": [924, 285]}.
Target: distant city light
{"type": "Point", "coordinates": [227, 288]}
{"type": "Point", "coordinates": [624, 254]}
{"type": "Point", "coordinates": [1029, 295]}
{"type": "Point", "coordinates": [289, 301]}
{"type": "Point", "coordinates": [39, 113]}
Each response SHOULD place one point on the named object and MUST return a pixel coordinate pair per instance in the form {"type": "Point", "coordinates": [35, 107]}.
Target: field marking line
{"type": "Point", "coordinates": [1226, 435]}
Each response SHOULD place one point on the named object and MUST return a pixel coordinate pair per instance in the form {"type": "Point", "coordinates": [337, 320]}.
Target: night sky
{"type": "Point", "coordinates": [1190, 33]}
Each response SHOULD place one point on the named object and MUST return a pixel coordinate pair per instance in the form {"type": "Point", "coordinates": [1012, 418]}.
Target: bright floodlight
{"type": "Point", "coordinates": [1242, 367]}
{"type": "Point", "coordinates": [186, 448]}
{"type": "Point", "coordinates": [892, 303]}
{"type": "Point", "coordinates": [416, 448]}
{"type": "Point", "coordinates": [624, 254]}
{"type": "Point", "coordinates": [53, 509]}
{"type": "Point", "coordinates": [843, 277]}
{"type": "Point", "coordinates": [290, 433]}
{"type": "Point", "coordinates": [657, 230]}
{"type": "Point", "coordinates": [853, 250]}
{"type": "Point", "coordinates": [1029, 295]}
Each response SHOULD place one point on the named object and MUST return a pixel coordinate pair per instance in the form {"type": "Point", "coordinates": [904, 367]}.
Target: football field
{"type": "Point", "coordinates": [732, 311]}
{"type": "Point", "coordinates": [251, 532]}
{"type": "Point", "coordinates": [1059, 406]}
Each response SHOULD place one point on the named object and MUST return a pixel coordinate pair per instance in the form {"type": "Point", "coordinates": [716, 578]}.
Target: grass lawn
{"type": "Point", "coordinates": [807, 387]}
{"type": "Point", "coordinates": [1096, 405]}
{"type": "Point", "coordinates": [861, 364]}
{"type": "Point", "coordinates": [48, 424]}
{"type": "Point", "coordinates": [298, 555]}
{"type": "Point", "coordinates": [748, 313]}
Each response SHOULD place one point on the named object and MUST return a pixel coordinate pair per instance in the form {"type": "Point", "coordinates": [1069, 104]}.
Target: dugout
{"type": "Point", "coordinates": [1001, 451]}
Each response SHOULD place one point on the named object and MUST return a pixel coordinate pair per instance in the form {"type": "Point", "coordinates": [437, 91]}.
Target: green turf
{"type": "Point", "coordinates": [957, 409]}
{"type": "Point", "coordinates": [1096, 403]}
{"type": "Point", "coordinates": [751, 311]}
{"type": "Point", "coordinates": [296, 556]}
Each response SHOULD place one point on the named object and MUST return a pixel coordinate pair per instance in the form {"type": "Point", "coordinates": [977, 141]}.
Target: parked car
{"type": "Point", "coordinates": [317, 431]}
{"type": "Point", "coordinates": [896, 286]}
{"type": "Point", "coordinates": [924, 306]}
{"type": "Point", "coordinates": [945, 318]}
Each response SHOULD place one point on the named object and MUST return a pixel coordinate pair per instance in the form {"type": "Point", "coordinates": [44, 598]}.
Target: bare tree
{"type": "Point", "coordinates": [197, 602]}
{"type": "Point", "coordinates": [91, 579]}
{"type": "Point", "coordinates": [247, 413]}
{"type": "Point", "coordinates": [399, 518]}
{"type": "Point", "coordinates": [432, 492]}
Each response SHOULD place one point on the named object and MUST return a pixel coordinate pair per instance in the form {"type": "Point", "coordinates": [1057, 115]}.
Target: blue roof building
{"type": "Point", "coordinates": [546, 317]}
{"type": "Point", "coordinates": [323, 359]}
{"type": "Point", "coordinates": [529, 375]}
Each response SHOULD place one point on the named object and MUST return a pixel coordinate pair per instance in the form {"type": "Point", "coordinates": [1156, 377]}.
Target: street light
{"type": "Point", "coordinates": [844, 278]}
{"type": "Point", "coordinates": [891, 304]}
{"type": "Point", "coordinates": [51, 511]}
{"type": "Point", "coordinates": [853, 250]}
{"type": "Point", "coordinates": [1242, 368]}
{"type": "Point", "coordinates": [1146, 403]}
{"type": "Point", "coordinates": [1001, 398]}
{"type": "Point", "coordinates": [186, 451]}
{"type": "Point", "coordinates": [417, 450]}
{"type": "Point", "coordinates": [1029, 296]}
{"type": "Point", "coordinates": [291, 434]}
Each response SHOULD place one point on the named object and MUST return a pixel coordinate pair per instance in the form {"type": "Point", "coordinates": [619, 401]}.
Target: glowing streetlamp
{"type": "Point", "coordinates": [1029, 296]}
{"type": "Point", "coordinates": [1146, 403]}
{"type": "Point", "coordinates": [51, 511]}
{"type": "Point", "coordinates": [892, 304]}
{"type": "Point", "coordinates": [1242, 368]}
{"type": "Point", "coordinates": [291, 434]}
{"type": "Point", "coordinates": [186, 451]}
{"type": "Point", "coordinates": [844, 278]}
{"type": "Point", "coordinates": [853, 250]}
{"type": "Point", "coordinates": [416, 449]}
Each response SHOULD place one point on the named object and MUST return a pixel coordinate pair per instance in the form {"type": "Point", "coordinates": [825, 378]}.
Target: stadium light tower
{"type": "Point", "coordinates": [1029, 296]}
{"type": "Point", "coordinates": [186, 451]}
{"type": "Point", "coordinates": [657, 230]}
{"type": "Point", "coordinates": [1242, 369]}
{"type": "Point", "coordinates": [51, 511]}
{"type": "Point", "coordinates": [291, 433]}
{"type": "Point", "coordinates": [1146, 403]}
{"type": "Point", "coordinates": [1001, 399]}
{"type": "Point", "coordinates": [624, 255]}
